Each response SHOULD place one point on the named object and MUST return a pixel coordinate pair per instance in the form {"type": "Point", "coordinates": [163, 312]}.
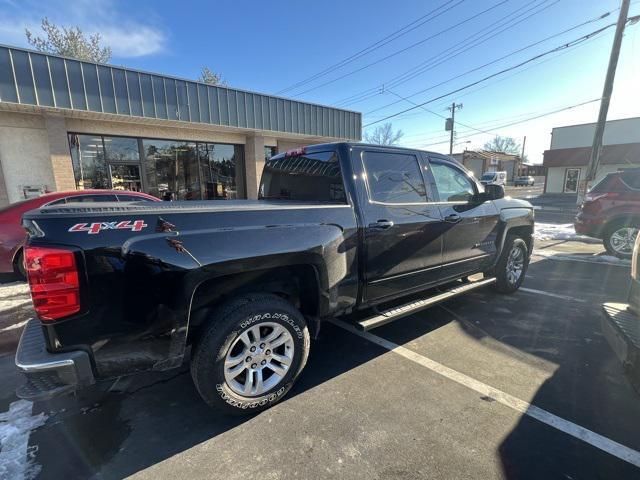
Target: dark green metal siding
{"type": "Point", "coordinates": [32, 78]}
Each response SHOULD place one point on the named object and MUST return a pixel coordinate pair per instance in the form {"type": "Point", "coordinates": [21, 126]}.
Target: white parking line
{"type": "Point", "coordinates": [603, 443]}
{"type": "Point", "coordinates": [554, 295]}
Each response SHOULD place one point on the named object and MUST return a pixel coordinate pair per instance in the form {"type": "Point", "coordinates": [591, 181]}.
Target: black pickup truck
{"type": "Point", "coordinates": [340, 230]}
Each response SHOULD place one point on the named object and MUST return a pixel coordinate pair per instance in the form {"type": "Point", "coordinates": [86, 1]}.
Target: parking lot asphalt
{"type": "Point", "coordinates": [483, 386]}
{"type": "Point", "coordinates": [362, 411]}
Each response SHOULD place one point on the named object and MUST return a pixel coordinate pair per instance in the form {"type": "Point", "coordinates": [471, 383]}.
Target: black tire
{"type": "Point", "coordinates": [18, 266]}
{"type": "Point", "coordinates": [608, 233]}
{"type": "Point", "coordinates": [503, 282]}
{"type": "Point", "coordinates": [232, 320]}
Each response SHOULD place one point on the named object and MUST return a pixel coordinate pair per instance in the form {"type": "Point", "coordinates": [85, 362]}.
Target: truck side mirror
{"type": "Point", "coordinates": [493, 191]}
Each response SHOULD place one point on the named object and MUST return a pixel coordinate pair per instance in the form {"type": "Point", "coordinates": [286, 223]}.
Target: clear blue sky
{"type": "Point", "coordinates": [270, 45]}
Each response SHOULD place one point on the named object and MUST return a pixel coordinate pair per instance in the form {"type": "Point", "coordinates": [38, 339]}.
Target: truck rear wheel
{"type": "Point", "coordinates": [250, 354]}
{"type": "Point", "coordinates": [512, 265]}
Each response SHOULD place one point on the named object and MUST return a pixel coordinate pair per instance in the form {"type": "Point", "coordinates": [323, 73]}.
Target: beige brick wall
{"type": "Point", "coordinates": [24, 154]}
{"type": "Point", "coordinates": [254, 163]}
{"type": "Point", "coordinates": [34, 148]}
{"type": "Point", "coordinates": [59, 153]}
{"type": "Point", "coordinates": [152, 131]}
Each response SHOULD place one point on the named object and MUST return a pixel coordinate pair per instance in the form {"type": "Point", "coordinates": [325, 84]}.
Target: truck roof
{"type": "Point", "coordinates": [320, 146]}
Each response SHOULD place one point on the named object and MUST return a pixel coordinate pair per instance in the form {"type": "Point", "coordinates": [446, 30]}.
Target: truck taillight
{"type": "Point", "coordinates": [53, 280]}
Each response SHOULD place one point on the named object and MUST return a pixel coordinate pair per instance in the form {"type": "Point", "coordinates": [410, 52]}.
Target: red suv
{"type": "Point", "coordinates": [611, 211]}
{"type": "Point", "coordinates": [12, 235]}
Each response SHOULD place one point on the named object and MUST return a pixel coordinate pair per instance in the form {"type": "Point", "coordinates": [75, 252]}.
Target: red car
{"type": "Point", "coordinates": [611, 212]}
{"type": "Point", "coordinates": [12, 235]}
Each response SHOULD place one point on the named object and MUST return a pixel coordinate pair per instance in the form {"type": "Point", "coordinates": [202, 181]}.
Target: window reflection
{"type": "Point", "coordinates": [221, 167]}
{"type": "Point", "coordinates": [269, 152]}
{"type": "Point", "coordinates": [168, 169]}
{"type": "Point", "coordinates": [172, 169]}
{"type": "Point", "coordinates": [89, 163]}
{"type": "Point", "coordinates": [121, 149]}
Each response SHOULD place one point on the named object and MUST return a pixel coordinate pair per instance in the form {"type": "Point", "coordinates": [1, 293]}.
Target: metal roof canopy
{"type": "Point", "coordinates": [34, 78]}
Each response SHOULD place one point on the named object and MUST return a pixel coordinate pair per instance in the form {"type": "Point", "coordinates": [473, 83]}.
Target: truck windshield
{"type": "Point", "coordinates": [313, 177]}
{"type": "Point", "coordinates": [488, 176]}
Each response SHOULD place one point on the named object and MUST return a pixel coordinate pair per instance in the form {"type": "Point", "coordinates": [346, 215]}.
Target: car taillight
{"type": "Point", "coordinates": [53, 280]}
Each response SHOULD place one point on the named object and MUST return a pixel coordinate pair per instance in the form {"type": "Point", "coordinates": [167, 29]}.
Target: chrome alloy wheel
{"type": "Point", "coordinates": [259, 359]}
{"type": "Point", "coordinates": [515, 264]}
{"type": "Point", "coordinates": [623, 239]}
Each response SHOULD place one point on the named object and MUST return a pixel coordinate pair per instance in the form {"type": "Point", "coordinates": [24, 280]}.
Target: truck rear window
{"type": "Point", "coordinates": [313, 177]}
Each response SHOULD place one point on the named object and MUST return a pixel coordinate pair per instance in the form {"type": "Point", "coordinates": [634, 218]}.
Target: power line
{"type": "Point", "coordinates": [523, 121]}
{"type": "Point", "coordinates": [513, 67]}
{"type": "Point", "coordinates": [487, 123]}
{"type": "Point", "coordinates": [462, 46]}
{"type": "Point", "coordinates": [515, 52]}
{"type": "Point", "coordinates": [376, 45]}
{"type": "Point", "coordinates": [435, 113]}
{"type": "Point", "coordinates": [402, 50]}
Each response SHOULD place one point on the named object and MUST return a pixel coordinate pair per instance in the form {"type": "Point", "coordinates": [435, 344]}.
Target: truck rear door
{"type": "Point", "coordinates": [402, 230]}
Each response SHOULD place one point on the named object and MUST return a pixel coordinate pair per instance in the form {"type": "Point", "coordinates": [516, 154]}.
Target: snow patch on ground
{"type": "Point", "coordinates": [14, 295]}
{"type": "Point", "coordinates": [16, 460]}
{"type": "Point", "coordinates": [563, 231]}
{"type": "Point", "coordinates": [581, 257]}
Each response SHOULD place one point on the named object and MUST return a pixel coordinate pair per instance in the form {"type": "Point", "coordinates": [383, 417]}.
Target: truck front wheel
{"type": "Point", "coordinates": [250, 354]}
{"type": "Point", "coordinates": [512, 265]}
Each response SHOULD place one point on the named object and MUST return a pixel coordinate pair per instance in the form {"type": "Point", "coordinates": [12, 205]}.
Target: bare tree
{"type": "Point", "coordinates": [384, 135]}
{"type": "Point", "coordinates": [212, 78]}
{"type": "Point", "coordinates": [503, 144]}
{"type": "Point", "coordinates": [69, 42]}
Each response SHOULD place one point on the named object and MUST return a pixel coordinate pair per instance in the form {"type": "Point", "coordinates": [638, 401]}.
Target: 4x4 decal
{"type": "Point", "coordinates": [94, 228]}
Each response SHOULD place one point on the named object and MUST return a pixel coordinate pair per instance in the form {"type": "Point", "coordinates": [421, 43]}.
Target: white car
{"type": "Point", "coordinates": [495, 178]}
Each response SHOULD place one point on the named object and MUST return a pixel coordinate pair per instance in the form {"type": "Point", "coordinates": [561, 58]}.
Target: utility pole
{"type": "Point", "coordinates": [450, 124]}
{"type": "Point", "coordinates": [524, 142]}
{"type": "Point", "coordinates": [596, 148]}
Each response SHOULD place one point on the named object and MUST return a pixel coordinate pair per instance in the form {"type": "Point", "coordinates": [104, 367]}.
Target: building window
{"type": "Point", "coordinates": [121, 149]}
{"type": "Point", "coordinates": [269, 152]}
{"type": "Point", "coordinates": [168, 169]}
{"type": "Point", "coordinates": [571, 180]}
{"type": "Point", "coordinates": [101, 162]}
{"type": "Point", "coordinates": [89, 163]}
{"type": "Point", "coordinates": [172, 169]}
{"type": "Point", "coordinates": [221, 169]}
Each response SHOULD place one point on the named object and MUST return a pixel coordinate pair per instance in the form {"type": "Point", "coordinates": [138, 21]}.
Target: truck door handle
{"type": "Point", "coordinates": [453, 218]}
{"type": "Point", "coordinates": [381, 224]}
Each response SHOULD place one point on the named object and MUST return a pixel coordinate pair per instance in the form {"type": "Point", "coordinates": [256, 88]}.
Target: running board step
{"type": "Point", "coordinates": [395, 313]}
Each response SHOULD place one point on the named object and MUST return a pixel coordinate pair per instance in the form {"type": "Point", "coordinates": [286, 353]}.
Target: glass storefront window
{"type": "Point", "coordinates": [269, 152]}
{"type": "Point", "coordinates": [89, 162]}
{"type": "Point", "coordinates": [168, 169]}
{"type": "Point", "coordinates": [125, 177]}
{"type": "Point", "coordinates": [221, 167]}
{"type": "Point", "coordinates": [172, 169]}
{"type": "Point", "coordinates": [122, 149]}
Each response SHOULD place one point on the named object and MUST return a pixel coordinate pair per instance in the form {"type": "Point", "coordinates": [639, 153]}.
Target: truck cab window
{"type": "Point", "coordinates": [453, 185]}
{"type": "Point", "coordinates": [314, 177]}
{"type": "Point", "coordinates": [394, 178]}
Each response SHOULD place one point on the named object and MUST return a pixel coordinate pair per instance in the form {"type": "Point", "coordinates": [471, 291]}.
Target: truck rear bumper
{"type": "Point", "coordinates": [621, 328]}
{"type": "Point", "coordinates": [49, 374]}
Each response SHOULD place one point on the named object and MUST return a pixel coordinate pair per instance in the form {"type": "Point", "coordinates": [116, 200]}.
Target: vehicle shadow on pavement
{"type": "Point", "coordinates": [150, 418]}
{"type": "Point", "coordinates": [585, 384]}
{"type": "Point", "coordinates": [587, 387]}
{"type": "Point", "coordinates": [115, 434]}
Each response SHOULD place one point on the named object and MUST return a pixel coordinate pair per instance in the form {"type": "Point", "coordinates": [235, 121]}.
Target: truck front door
{"type": "Point", "coordinates": [469, 244]}
{"type": "Point", "coordinates": [402, 230]}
